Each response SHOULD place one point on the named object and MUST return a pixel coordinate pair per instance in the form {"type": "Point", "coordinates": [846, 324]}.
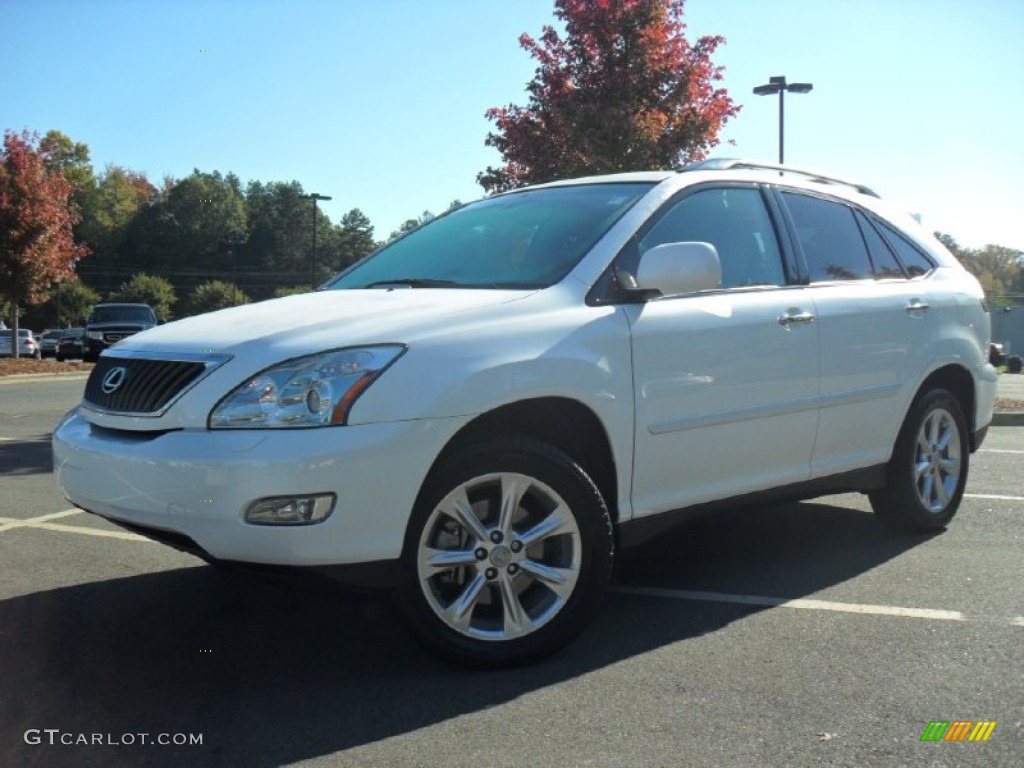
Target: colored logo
{"type": "Point", "coordinates": [958, 730]}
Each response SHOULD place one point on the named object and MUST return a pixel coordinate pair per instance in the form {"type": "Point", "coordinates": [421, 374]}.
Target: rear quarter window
{"type": "Point", "coordinates": [914, 260]}
{"type": "Point", "coordinates": [829, 237]}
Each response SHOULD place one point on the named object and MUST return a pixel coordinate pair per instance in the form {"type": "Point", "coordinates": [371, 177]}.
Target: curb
{"type": "Point", "coordinates": [70, 375]}
{"type": "Point", "coordinates": [1008, 419]}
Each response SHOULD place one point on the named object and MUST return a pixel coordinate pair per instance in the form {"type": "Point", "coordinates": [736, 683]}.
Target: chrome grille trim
{"type": "Point", "coordinates": [152, 384]}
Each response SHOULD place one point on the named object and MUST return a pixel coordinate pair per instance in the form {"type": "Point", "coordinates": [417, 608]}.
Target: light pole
{"type": "Point", "coordinates": [314, 196]}
{"type": "Point", "coordinates": [779, 85]}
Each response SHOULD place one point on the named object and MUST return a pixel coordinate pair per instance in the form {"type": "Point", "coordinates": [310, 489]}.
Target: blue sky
{"type": "Point", "coordinates": [380, 103]}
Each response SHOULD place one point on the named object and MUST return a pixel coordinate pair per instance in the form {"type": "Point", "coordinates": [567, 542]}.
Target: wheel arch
{"type": "Point", "coordinates": [957, 380]}
{"type": "Point", "coordinates": [567, 424]}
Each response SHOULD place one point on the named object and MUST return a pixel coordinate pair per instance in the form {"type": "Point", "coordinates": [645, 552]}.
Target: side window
{"type": "Point", "coordinates": [830, 238]}
{"type": "Point", "coordinates": [886, 266]}
{"type": "Point", "coordinates": [917, 263]}
{"type": "Point", "coordinates": [735, 221]}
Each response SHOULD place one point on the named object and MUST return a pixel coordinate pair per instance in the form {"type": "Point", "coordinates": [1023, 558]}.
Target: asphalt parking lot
{"type": "Point", "coordinates": [798, 635]}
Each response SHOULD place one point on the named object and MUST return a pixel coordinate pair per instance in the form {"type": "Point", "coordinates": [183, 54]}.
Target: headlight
{"type": "Point", "coordinates": [98, 335]}
{"type": "Point", "coordinates": [312, 391]}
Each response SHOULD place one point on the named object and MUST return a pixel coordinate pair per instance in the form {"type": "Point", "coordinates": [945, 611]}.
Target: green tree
{"type": "Point", "coordinates": [290, 290]}
{"type": "Point", "coordinates": [37, 247]}
{"type": "Point", "coordinates": [279, 233]}
{"type": "Point", "coordinates": [186, 227]}
{"type": "Point", "coordinates": [623, 90]}
{"type": "Point", "coordinates": [148, 289]}
{"type": "Point", "coordinates": [73, 304]}
{"type": "Point", "coordinates": [118, 196]}
{"type": "Point", "coordinates": [71, 158]}
{"type": "Point", "coordinates": [213, 295]}
{"type": "Point", "coordinates": [355, 239]}
{"type": "Point", "coordinates": [999, 269]}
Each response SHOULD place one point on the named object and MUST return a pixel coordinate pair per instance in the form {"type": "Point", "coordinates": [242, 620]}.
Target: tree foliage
{"type": "Point", "coordinates": [622, 90]}
{"type": "Point", "coordinates": [148, 289]}
{"type": "Point", "coordinates": [213, 295]}
{"type": "Point", "coordinates": [190, 223]}
{"type": "Point", "coordinates": [37, 247]}
{"type": "Point", "coordinates": [117, 196]}
{"type": "Point", "coordinates": [73, 305]}
{"type": "Point", "coordinates": [999, 269]}
{"type": "Point", "coordinates": [355, 239]}
{"type": "Point", "coordinates": [71, 158]}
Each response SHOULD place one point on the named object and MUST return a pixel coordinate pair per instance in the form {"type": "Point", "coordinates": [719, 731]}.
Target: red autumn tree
{"type": "Point", "coordinates": [623, 90]}
{"type": "Point", "coordinates": [36, 244]}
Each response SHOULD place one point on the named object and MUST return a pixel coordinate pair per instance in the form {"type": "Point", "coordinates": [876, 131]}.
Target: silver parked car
{"type": "Point", "coordinates": [28, 345]}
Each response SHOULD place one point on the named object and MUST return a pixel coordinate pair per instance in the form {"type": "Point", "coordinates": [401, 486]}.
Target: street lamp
{"type": "Point", "coordinates": [314, 196]}
{"type": "Point", "coordinates": [779, 85]}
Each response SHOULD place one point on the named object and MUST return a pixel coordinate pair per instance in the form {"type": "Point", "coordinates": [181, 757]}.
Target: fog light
{"type": "Point", "coordinates": [290, 510]}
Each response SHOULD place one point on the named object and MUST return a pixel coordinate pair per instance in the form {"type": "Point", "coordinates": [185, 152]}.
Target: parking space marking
{"type": "Point", "coordinates": [124, 535]}
{"type": "Point", "coordinates": [8, 523]}
{"type": "Point", "coordinates": [44, 522]}
{"type": "Point", "coordinates": [996, 496]}
{"type": "Point", "coordinates": [999, 450]}
{"type": "Point", "coordinates": [816, 605]}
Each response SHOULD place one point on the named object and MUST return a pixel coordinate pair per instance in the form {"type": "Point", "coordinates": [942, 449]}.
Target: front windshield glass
{"type": "Point", "coordinates": [121, 315]}
{"type": "Point", "coordinates": [525, 239]}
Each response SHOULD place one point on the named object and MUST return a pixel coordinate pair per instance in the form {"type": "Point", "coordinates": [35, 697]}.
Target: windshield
{"type": "Point", "coordinates": [521, 240]}
{"type": "Point", "coordinates": [121, 315]}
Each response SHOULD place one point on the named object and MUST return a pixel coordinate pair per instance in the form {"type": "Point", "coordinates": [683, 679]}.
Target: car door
{"type": "Point", "coordinates": [725, 381]}
{"type": "Point", "coordinates": [873, 324]}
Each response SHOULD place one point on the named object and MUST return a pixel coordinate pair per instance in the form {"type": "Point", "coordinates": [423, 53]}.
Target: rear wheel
{"type": "Point", "coordinates": [927, 474]}
{"type": "Point", "coordinates": [508, 553]}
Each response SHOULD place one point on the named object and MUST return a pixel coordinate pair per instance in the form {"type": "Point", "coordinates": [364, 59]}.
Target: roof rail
{"type": "Point", "coordinates": [732, 163]}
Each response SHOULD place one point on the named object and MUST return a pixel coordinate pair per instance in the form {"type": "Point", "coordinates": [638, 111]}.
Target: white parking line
{"type": "Point", "coordinates": [8, 523]}
{"type": "Point", "coordinates": [43, 522]}
{"type": "Point", "coordinates": [816, 605]}
{"type": "Point", "coordinates": [998, 450]}
{"type": "Point", "coordinates": [995, 496]}
{"type": "Point", "coordinates": [91, 532]}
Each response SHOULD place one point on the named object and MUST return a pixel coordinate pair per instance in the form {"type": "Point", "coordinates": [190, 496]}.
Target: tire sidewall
{"type": "Point", "coordinates": [902, 479]}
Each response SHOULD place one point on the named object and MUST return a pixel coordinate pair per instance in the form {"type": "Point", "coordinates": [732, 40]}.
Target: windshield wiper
{"type": "Point", "coordinates": [412, 282]}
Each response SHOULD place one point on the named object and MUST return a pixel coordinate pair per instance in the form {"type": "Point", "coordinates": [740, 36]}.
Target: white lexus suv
{"type": "Point", "coordinates": [481, 413]}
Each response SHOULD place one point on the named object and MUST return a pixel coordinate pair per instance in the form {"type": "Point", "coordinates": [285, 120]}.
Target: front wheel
{"type": "Point", "coordinates": [508, 553]}
{"type": "Point", "coordinates": [927, 474]}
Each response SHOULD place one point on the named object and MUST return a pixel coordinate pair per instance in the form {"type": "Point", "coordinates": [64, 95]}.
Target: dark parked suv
{"type": "Point", "coordinates": [109, 323]}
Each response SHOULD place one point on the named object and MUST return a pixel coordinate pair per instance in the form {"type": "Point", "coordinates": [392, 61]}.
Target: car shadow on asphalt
{"type": "Point", "coordinates": [276, 668]}
{"type": "Point", "coordinates": [26, 456]}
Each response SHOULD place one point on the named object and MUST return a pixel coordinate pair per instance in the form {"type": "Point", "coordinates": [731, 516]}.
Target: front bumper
{"type": "Point", "coordinates": [197, 483]}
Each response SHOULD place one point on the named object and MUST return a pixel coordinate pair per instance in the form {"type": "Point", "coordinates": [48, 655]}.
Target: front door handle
{"type": "Point", "coordinates": [793, 316]}
{"type": "Point", "coordinates": [916, 305]}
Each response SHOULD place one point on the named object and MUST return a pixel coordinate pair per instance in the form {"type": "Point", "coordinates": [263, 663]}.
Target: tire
{"type": "Point", "coordinates": [491, 583]}
{"type": "Point", "coordinates": [59, 358]}
{"type": "Point", "coordinates": [927, 473]}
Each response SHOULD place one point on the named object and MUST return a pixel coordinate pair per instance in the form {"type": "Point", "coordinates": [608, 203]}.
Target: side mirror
{"type": "Point", "coordinates": [677, 268]}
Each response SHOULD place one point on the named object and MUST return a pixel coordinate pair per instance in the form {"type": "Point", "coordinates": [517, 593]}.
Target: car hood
{"type": "Point", "coordinates": [274, 330]}
{"type": "Point", "coordinates": [111, 325]}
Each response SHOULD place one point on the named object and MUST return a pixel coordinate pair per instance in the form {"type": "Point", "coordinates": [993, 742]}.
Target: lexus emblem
{"type": "Point", "coordinates": [113, 379]}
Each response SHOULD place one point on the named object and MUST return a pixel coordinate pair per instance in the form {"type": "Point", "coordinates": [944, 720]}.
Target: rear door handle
{"type": "Point", "coordinates": [791, 317]}
{"type": "Point", "coordinates": [916, 305]}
